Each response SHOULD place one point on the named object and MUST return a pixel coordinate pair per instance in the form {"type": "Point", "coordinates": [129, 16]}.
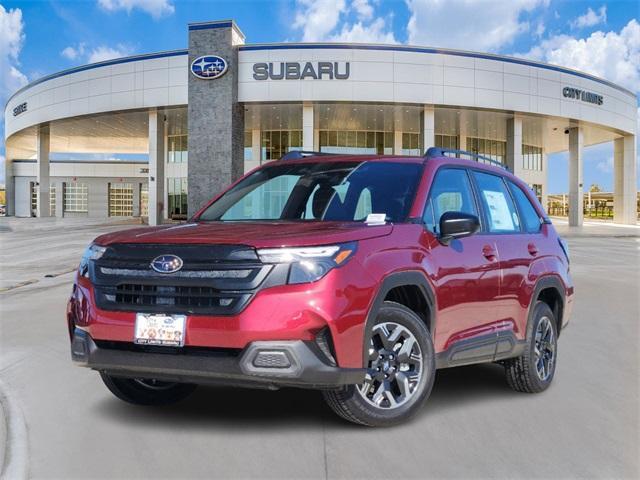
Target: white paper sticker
{"type": "Point", "coordinates": [499, 211]}
{"type": "Point", "coordinates": [376, 219]}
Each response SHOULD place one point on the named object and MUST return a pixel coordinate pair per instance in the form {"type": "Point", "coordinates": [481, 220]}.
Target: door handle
{"type": "Point", "coordinates": [533, 250]}
{"type": "Point", "coordinates": [489, 253]}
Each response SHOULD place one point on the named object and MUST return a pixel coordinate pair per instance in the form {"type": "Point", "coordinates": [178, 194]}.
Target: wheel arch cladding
{"type": "Point", "coordinates": [410, 286]}
{"type": "Point", "coordinates": [549, 290]}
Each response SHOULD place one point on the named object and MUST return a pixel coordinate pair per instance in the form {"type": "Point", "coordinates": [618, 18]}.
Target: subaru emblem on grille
{"type": "Point", "coordinates": [166, 263]}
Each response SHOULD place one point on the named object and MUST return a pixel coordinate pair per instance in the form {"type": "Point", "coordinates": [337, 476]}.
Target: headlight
{"type": "Point", "coordinates": [309, 264]}
{"type": "Point", "coordinates": [93, 252]}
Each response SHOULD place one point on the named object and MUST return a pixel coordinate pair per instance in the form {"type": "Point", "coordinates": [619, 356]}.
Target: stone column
{"type": "Point", "coordinates": [43, 180]}
{"type": "Point", "coordinates": [157, 179]}
{"type": "Point", "coordinates": [576, 190]}
{"type": "Point", "coordinates": [136, 199]}
{"type": "Point", "coordinates": [428, 127]}
{"type": "Point", "coordinates": [216, 119]}
{"type": "Point", "coordinates": [307, 127]}
{"type": "Point", "coordinates": [625, 178]}
{"type": "Point", "coordinates": [59, 199]}
{"type": "Point", "coordinates": [9, 185]}
{"type": "Point", "coordinates": [514, 145]}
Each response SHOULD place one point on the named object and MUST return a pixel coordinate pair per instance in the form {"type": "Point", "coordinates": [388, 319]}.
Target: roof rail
{"type": "Point", "coordinates": [442, 152]}
{"type": "Point", "coordinates": [298, 154]}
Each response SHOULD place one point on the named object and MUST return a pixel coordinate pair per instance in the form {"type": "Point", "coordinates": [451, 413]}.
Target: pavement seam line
{"type": "Point", "coordinates": [15, 463]}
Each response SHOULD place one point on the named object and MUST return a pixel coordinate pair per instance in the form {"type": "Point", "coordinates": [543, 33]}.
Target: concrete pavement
{"type": "Point", "coordinates": [585, 425]}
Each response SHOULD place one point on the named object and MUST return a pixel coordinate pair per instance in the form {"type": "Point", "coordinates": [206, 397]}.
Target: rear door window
{"type": "Point", "coordinates": [529, 214]}
{"type": "Point", "coordinates": [500, 211]}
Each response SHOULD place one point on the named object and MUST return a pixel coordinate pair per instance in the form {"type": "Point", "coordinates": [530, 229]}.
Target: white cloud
{"type": "Point", "coordinates": [590, 18]}
{"type": "Point", "coordinates": [156, 8]}
{"type": "Point", "coordinates": [102, 53]}
{"type": "Point", "coordinates": [485, 25]}
{"type": "Point", "coordinates": [363, 8]}
{"type": "Point", "coordinates": [73, 52]}
{"type": "Point", "coordinates": [605, 166]}
{"type": "Point", "coordinates": [318, 19]}
{"type": "Point", "coordinates": [11, 78]}
{"type": "Point", "coordinates": [11, 40]}
{"type": "Point", "coordinates": [337, 20]}
{"type": "Point", "coordinates": [611, 55]}
{"type": "Point", "coordinates": [358, 33]}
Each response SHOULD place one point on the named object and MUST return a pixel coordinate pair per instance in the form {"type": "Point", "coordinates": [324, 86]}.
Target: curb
{"type": "Point", "coordinates": [14, 464]}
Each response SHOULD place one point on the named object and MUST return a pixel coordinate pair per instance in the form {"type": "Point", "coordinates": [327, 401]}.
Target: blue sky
{"type": "Point", "coordinates": [41, 37]}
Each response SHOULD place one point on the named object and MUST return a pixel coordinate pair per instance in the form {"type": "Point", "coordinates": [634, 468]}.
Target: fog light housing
{"type": "Point", "coordinates": [271, 359]}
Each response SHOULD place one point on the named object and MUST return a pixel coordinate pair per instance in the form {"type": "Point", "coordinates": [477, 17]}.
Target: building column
{"type": "Point", "coordinates": [397, 142]}
{"type": "Point", "coordinates": [514, 145]}
{"type": "Point", "coordinates": [10, 187]}
{"type": "Point", "coordinates": [43, 181]}
{"type": "Point", "coordinates": [307, 126]}
{"type": "Point", "coordinates": [576, 189]}
{"type": "Point", "coordinates": [136, 199]}
{"type": "Point", "coordinates": [156, 167]}
{"type": "Point", "coordinates": [428, 127]}
{"type": "Point", "coordinates": [256, 149]}
{"type": "Point", "coordinates": [59, 199]}
{"type": "Point", "coordinates": [625, 178]}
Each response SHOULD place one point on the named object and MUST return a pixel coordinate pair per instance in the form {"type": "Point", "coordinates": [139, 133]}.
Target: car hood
{"type": "Point", "coordinates": [255, 234]}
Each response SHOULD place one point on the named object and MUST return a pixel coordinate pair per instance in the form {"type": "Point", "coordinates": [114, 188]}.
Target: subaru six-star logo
{"type": "Point", "coordinates": [166, 263]}
{"type": "Point", "coordinates": [209, 67]}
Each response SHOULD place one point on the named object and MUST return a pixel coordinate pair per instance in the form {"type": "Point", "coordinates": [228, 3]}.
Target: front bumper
{"type": "Point", "coordinates": [268, 364]}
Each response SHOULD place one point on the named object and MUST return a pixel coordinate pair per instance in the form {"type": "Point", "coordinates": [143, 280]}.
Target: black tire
{"type": "Point", "coordinates": [351, 404]}
{"type": "Point", "coordinates": [523, 372]}
{"type": "Point", "coordinates": [147, 391]}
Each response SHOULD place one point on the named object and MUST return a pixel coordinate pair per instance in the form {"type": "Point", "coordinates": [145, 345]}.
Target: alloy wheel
{"type": "Point", "coordinates": [395, 366]}
{"type": "Point", "coordinates": [544, 349]}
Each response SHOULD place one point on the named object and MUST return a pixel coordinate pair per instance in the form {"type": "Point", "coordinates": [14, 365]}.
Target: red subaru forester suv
{"type": "Point", "coordinates": [356, 275]}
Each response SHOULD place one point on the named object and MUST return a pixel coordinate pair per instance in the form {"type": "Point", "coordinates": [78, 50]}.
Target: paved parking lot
{"type": "Point", "coordinates": [585, 425]}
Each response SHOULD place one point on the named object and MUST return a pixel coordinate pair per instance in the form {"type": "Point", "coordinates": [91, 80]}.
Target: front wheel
{"type": "Point", "coordinates": [144, 391]}
{"type": "Point", "coordinates": [400, 371]}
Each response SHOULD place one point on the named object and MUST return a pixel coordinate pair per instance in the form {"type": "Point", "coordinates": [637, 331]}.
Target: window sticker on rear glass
{"type": "Point", "coordinates": [499, 212]}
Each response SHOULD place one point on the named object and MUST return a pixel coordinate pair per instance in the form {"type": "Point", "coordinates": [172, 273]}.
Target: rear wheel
{"type": "Point", "coordinates": [145, 391]}
{"type": "Point", "coordinates": [400, 371]}
{"type": "Point", "coordinates": [533, 371]}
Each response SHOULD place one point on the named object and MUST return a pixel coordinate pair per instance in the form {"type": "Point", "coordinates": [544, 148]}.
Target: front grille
{"type": "Point", "coordinates": [214, 280]}
{"type": "Point", "coordinates": [175, 296]}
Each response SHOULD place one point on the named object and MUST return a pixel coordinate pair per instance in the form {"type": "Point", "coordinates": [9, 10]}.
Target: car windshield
{"type": "Point", "coordinates": [326, 191]}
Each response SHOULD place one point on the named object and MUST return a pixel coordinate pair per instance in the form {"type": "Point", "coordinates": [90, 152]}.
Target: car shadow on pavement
{"type": "Point", "coordinates": [298, 408]}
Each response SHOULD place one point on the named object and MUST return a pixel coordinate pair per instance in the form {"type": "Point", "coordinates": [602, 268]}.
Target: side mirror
{"type": "Point", "coordinates": [457, 225]}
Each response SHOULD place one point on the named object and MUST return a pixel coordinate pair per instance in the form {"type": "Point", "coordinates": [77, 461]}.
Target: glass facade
{"type": "Point", "coordinates": [275, 143]}
{"type": "Point", "coordinates": [177, 198]}
{"type": "Point", "coordinates": [532, 158]}
{"type": "Point", "coordinates": [248, 147]}
{"type": "Point", "coordinates": [493, 149]}
{"type": "Point", "coordinates": [144, 200]}
{"type": "Point", "coordinates": [177, 149]}
{"type": "Point", "coordinates": [412, 144]}
{"type": "Point", "coordinates": [120, 199]}
{"type": "Point", "coordinates": [76, 197]}
{"type": "Point", "coordinates": [447, 141]}
{"type": "Point", "coordinates": [356, 142]}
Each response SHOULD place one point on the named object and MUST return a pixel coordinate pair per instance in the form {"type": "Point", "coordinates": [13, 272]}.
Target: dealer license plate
{"type": "Point", "coordinates": [160, 329]}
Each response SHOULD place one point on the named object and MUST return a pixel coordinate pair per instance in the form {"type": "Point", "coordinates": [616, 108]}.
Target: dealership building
{"type": "Point", "coordinates": [157, 135]}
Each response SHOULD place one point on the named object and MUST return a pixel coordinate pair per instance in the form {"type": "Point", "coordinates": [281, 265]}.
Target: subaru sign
{"type": "Point", "coordinates": [209, 67]}
{"type": "Point", "coordinates": [166, 263]}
